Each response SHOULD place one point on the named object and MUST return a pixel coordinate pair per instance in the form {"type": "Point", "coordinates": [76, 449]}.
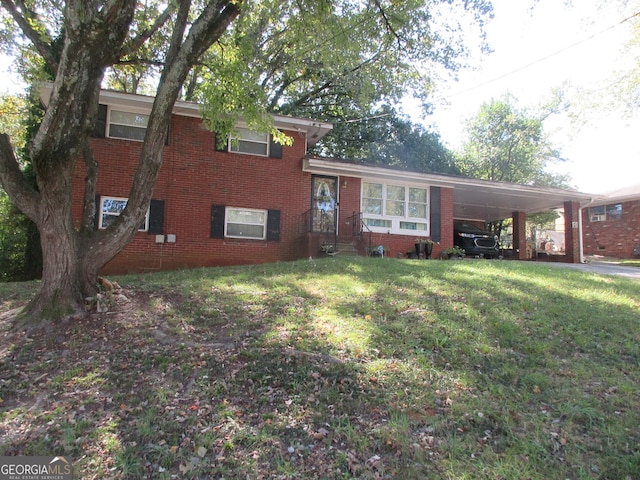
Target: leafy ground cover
{"type": "Point", "coordinates": [335, 368]}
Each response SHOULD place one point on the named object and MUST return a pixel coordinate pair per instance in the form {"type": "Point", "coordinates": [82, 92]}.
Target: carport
{"type": "Point", "coordinates": [485, 201]}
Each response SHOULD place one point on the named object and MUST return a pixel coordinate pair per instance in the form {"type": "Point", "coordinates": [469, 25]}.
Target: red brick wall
{"type": "Point", "coordinates": [613, 238]}
{"type": "Point", "coordinates": [446, 223]}
{"type": "Point", "coordinates": [571, 232]}
{"type": "Point", "coordinates": [192, 179]}
{"type": "Point", "coordinates": [519, 235]}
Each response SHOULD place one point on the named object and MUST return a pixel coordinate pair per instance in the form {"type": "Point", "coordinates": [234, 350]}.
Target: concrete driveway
{"type": "Point", "coordinates": [604, 268]}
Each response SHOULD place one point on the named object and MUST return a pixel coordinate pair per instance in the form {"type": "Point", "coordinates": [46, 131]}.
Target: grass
{"type": "Point", "coordinates": [337, 368]}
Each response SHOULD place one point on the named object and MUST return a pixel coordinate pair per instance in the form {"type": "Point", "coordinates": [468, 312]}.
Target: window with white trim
{"type": "Point", "coordinates": [244, 140]}
{"type": "Point", "coordinates": [111, 207]}
{"type": "Point", "coordinates": [395, 208]}
{"type": "Point", "coordinates": [127, 125]}
{"type": "Point", "coordinates": [245, 223]}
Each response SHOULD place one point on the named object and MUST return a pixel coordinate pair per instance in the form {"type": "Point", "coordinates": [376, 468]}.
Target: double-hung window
{"type": "Point", "coordinates": [248, 141]}
{"type": "Point", "coordinates": [111, 207]}
{"type": "Point", "coordinates": [395, 208]}
{"type": "Point", "coordinates": [245, 223]}
{"type": "Point", "coordinates": [127, 125]}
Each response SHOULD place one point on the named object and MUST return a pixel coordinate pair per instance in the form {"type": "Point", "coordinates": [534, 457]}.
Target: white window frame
{"type": "Point", "coordinates": [236, 141]}
{"type": "Point", "coordinates": [396, 221]}
{"type": "Point", "coordinates": [139, 112]}
{"type": "Point", "coordinates": [229, 210]}
{"type": "Point", "coordinates": [102, 213]}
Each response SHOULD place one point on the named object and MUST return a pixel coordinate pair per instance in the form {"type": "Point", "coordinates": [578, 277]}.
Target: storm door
{"type": "Point", "coordinates": [324, 204]}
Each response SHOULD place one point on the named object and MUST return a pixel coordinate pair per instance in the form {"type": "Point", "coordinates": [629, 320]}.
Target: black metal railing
{"type": "Point", "coordinates": [361, 229]}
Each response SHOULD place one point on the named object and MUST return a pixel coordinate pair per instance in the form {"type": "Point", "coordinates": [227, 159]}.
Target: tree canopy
{"type": "Point", "coordinates": [508, 144]}
{"type": "Point", "coordinates": [388, 139]}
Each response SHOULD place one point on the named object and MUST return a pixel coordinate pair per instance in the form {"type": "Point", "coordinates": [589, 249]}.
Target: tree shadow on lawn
{"type": "Point", "coordinates": [437, 368]}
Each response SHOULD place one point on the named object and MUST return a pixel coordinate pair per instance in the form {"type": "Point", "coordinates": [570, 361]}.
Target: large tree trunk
{"type": "Point", "coordinates": [60, 294]}
{"type": "Point", "coordinates": [73, 255]}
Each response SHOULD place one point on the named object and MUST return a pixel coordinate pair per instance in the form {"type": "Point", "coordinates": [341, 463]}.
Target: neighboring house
{"type": "Point", "coordinates": [257, 201]}
{"type": "Point", "coordinates": [611, 224]}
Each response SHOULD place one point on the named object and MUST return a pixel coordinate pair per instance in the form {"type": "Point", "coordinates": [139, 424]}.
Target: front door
{"type": "Point", "coordinates": [324, 204]}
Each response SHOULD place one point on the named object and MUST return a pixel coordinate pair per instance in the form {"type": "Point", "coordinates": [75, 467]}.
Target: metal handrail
{"type": "Point", "coordinates": [360, 228]}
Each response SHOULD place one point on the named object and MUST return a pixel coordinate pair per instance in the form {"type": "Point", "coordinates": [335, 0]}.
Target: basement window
{"type": "Point", "coordinates": [111, 207]}
{"type": "Point", "coordinates": [245, 223]}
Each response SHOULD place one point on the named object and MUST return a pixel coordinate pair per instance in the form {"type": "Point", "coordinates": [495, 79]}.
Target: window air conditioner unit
{"type": "Point", "coordinates": [598, 218]}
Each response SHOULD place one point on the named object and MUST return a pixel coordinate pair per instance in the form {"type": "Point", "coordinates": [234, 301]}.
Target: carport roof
{"type": "Point", "coordinates": [472, 199]}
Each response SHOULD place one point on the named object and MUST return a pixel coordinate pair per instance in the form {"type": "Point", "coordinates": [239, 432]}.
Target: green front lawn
{"type": "Point", "coordinates": [336, 368]}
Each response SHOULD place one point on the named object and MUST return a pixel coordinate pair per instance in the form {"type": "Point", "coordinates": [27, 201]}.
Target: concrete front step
{"type": "Point", "coordinates": [344, 250]}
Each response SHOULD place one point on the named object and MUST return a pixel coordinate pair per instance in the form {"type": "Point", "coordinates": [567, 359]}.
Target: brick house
{"type": "Point", "coordinates": [256, 201]}
{"type": "Point", "coordinates": [611, 224]}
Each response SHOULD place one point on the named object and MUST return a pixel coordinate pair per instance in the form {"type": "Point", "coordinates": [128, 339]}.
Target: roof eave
{"type": "Point", "coordinates": [314, 130]}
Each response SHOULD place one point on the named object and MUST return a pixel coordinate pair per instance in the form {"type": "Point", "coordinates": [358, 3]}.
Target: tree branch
{"type": "Point", "coordinates": [325, 86]}
{"type": "Point", "coordinates": [42, 42]}
{"type": "Point", "coordinates": [387, 21]}
{"type": "Point", "coordinates": [178, 31]}
{"type": "Point", "coordinates": [145, 35]}
{"type": "Point", "coordinates": [21, 193]}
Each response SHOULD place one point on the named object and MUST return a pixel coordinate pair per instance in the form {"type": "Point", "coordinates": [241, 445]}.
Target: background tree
{"type": "Point", "coordinates": [619, 93]}
{"type": "Point", "coordinates": [508, 144]}
{"type": "Point", "coordinates": [385, 138]}
{"type": "Point", "coordinates": [276, 56]}
{"type": "Point", "coordinates": [625, 86]}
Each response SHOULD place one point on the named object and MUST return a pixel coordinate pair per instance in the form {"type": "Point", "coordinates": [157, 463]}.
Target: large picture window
{"type": "Point", "coordinates": [395, 208]}
{"type": "Point", "coordinates": [245, 223]}
{"type": "Point", "coordinates": [127, 125]}
{"type": "Point", "coordinates": [111, 207]}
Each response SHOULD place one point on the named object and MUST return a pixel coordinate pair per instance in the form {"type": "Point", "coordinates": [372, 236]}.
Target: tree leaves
{"type": "Point", "coordinates": [508, 144]}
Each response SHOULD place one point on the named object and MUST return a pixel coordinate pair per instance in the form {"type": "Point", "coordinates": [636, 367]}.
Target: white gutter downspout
{"type": "Point", "coordinates": [580, 244]}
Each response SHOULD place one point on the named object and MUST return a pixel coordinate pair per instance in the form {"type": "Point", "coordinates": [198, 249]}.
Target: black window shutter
{"type": "Point", "coordinates": [100, 125]}
{"type": "Point", "coordinates": [156, 217]}
{"type": "Point", "coordinates": [275, 149]}
{"type": "Point", "coordinates": [273, 225]}
{"type": "Point", "coordinates": [217, 221]}
{"type": "Point", "coordinates": [220, 148]}
{"type": "Point", "coordinates": [435, 214]}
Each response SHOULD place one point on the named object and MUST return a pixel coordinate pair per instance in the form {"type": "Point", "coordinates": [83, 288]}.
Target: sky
{"type": "Point", "coordinates": [535, 50]}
